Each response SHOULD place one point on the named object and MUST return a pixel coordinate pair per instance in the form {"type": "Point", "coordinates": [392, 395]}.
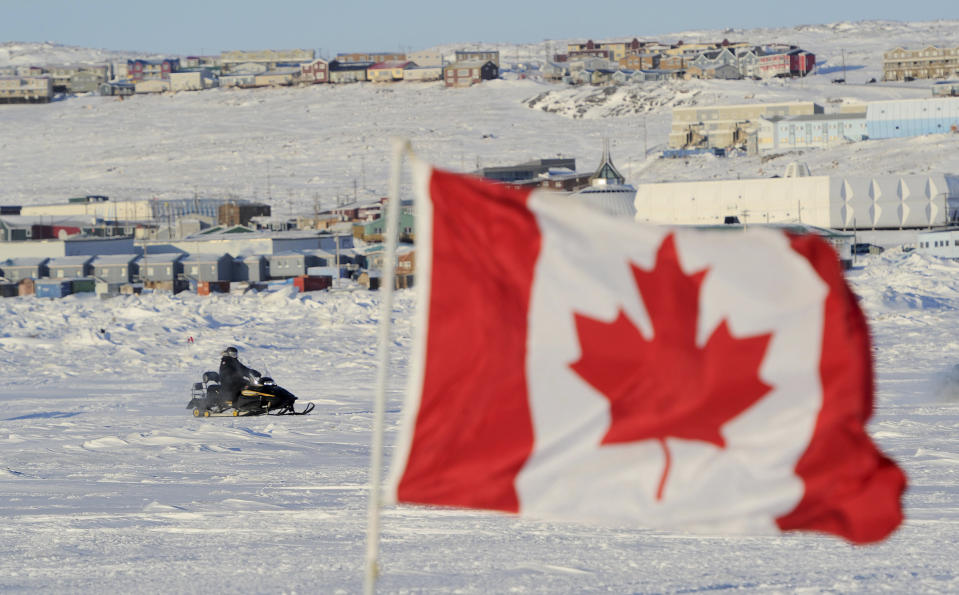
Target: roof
{"type": "Point", "coordinates": [470, 63]}
{"type": "Point", "coordinates": [392, 64]}
{"type": "Point", "coordinates": [69, 220]}
{"type": "Point", "coordinates": [820, 117]}
{"type": "Point", "coordinates": [337, 65]}
{"type": "Point", "coordinates": [108, 259]}
{"type": "Point", "coordinates": [202, 258]}
{"type": "Point", "coordinates": [25, 261]}
{"type": "Point", "coordinates": [70, 261]}
{"type": "Point", "coordinates": [162, 258]}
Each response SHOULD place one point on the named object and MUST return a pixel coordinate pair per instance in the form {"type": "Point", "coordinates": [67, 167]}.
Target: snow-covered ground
{"type": "Point", "coordinates": [108, 484]}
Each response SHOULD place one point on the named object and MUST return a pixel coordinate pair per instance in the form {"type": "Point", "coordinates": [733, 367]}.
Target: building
{"type": "Point", "coordinates": [608, 190]}
{"type": "Point", "coordinates": [477, 56]}
{"type": "Point", "coordinates": [116, 89]}
{"type": "Point", "coordinates": [530, 170]}
{"type": "Point", "coordinates": [153, 86]}
{"type": "Point", "coordinates": [899, 118]}
{"type": "Point", "coordinates": [70, 267]}
{"type": "Point", "coordinates": [241, 213]}
{"type": "Point", "coordinates": [253, 268]}
{"type": "Point", "coordinates": [810, 131]}
{"type": "Point", "coordinates": [615, 51]}
{"type": "Point", "coordinates": [161, 268]}
{"type": "Point", "coordinates": [348, 72]}
{"type": "Point", "coordinates": [242, 81]}
{"type": "Point", "coordinates": [193, 80]}
{"type": "Point", "coordinates": [943, 243]}
{"type": "Point", "coordinates": [266, 59]}
{"type": "Point", "coordinates": [315, 71]}
{"type": "Point", "coordinates": [207, 267]}
{"type": "Point", "coordinates": [26, 89]}
{"type": "Point", "coordinates": [237, 240]}
{"type": "Point", "coordinates": [427, 58]}
{"type": "Point", "coordinates": [945, 89]}
{"type": "Point", "coordinates": [374, 231]}
{"type": "Point", "coordinates": [728, 125]}
{"type": "Point", "coordinates": [373, 57]}
{"type": "Point", "coordinates": [293, 263]}
{"type": "Point", "coordinates": [30, 267]}
{"type": "Point", "coordinates": [116, 268]}
{"type": "Point", "coordinates": [931, 62]}
{"type": "Point", "coordinates": [143, 70]}
{"type": "Point", "coordinates": [281, 77]}
{"type": "Point", "coordinates": [835, 202]}
{"type": "Point", "coordinates": [388, 71]}
{"type": "Point", "coordinates": [465, 74]}
{"type": "Point", "coordinates": [150, 211]}
{"type": "Point", "coordinates": [423, 73]}
{"type": "Point", "coordinates": [76, 78]}
{"type": "Point", "coordinates": [71, 246]}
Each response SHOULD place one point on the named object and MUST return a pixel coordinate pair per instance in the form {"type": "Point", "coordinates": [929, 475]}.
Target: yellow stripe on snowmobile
{"type": "Point", "coordinates": [253, 393]}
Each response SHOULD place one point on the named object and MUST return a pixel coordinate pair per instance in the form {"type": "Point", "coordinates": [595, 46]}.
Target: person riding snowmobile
{"type": "Point", "coordinates": [233, 374]}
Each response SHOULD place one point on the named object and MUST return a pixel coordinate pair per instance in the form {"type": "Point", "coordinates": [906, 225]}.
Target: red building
{"type": "Point", "coordinates": [317, 71]}
{"type": "Point", "coordinates": [140, 70]}
{"type": "Point", "coordinates": [801, 62]}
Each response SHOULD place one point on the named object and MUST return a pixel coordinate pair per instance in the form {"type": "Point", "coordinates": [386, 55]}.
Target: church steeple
{"type": "Point", "coordinates": [607, 173]}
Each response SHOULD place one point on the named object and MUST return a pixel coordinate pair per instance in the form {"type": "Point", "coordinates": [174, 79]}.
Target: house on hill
{"type": "Point", "coordinates": [465, 74]}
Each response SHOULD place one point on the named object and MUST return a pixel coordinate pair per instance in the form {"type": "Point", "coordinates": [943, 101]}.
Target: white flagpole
{"type": "Point", "coordinates": [400, 146]}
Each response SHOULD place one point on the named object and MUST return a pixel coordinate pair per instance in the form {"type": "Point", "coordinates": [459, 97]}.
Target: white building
{"type": "Point", "coordinates": [836, 202]}
{"type": "Point", "coordinates": [941, 242]}
{"type": "Point", "coordinates": [193, 80]}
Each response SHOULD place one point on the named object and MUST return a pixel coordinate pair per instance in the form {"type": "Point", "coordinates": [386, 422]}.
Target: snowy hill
{"type": "Point", "coordinates": [14, 53]}
{"type": "Point", "coordinates": [291, 146]}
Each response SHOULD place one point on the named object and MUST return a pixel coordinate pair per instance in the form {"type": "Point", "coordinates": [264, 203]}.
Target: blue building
{"type": "Point", "coordinates": [810, 131]}
{"type": "Point", "coordinates": [900, 118]}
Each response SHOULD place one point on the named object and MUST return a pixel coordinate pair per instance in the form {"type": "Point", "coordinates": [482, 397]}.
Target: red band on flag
{"type": "Point", "coordinates": [474, 400]}
{"type": "Point", "coordinates": [852, 489]}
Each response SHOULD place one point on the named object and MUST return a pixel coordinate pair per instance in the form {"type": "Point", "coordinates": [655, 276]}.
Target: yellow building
{"type": "Point", "coordinates": [727, 125]}
{"type": "Point", "coordinates": [386, 72]}
{"type": "Point", "coordinates": [928, 63]}
{"type": "Point", "coordinates": [25, 89]}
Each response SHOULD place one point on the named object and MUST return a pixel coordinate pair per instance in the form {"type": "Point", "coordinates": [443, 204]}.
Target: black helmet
{"type": "Point", "coordinates": [229, 352]}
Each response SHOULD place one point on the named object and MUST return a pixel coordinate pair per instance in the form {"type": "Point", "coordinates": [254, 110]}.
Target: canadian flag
{"type": "Point", "coordinates": [569, 365]}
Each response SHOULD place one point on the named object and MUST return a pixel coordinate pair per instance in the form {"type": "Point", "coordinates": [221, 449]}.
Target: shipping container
{"type": "Point", "coordinates": [27, 286]}
{"type": "Point", "coordinates": [310, 283]}
{"type": "Point", "coordinates": [83, 285]}
{"type": "Point", "coordinates": [52, 289]}
{"type": "Point", "coordinates": [208, 287]}
{"type": "Point", "coordinates": [9, 290]}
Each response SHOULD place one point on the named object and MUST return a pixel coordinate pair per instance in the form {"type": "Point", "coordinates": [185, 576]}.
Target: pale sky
{"type": "Point", "coordinates": [211, 26]}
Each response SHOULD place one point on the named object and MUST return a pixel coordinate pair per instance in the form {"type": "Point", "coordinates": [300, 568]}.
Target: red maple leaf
{"type": "Point", "coordinates": [668, 387]}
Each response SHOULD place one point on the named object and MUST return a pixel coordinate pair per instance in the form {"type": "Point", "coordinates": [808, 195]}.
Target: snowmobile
{"type": "Point", "coordinates": [259, 396]}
